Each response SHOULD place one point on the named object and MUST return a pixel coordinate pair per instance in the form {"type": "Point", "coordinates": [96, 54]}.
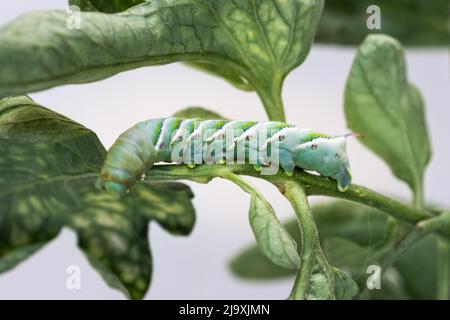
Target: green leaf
{"type": "Point", "coordinates": [348, 256]}
{"type": "Point", "coordinates": [388, 111]}
{"type": "Point", "coordinates": [330, 283]}
{"type": "Point", "coordinates": [48, 172]}
{"type": "Point", "coordinates": [260, 41]}
{"type": "Point", "coordinates": [338, 219]}
{"type": "Point", "coordinates": [392, 288]}
{"type": "Point", "coordinates": [252, 264]}
{"type": "Point", "coordinates": [443, 270]}
{"type": "Point", "coordinates": [418, 266]}
{"type": "Point", "coordinates": [45, 159]}
{"type": "Point", "coordinates": [345, 287]}
{"type": "Point", "coordinates": [272, 238]}
{"type": "Point", "coordinates": [216, 69]}
{"type": "Point", "coordinates": [11, 256]}
{"type": "Point", "coordinates": [112, 233]}
{"type": "Point", "coordinates": [222, 71]}
{"type": "Point", "coordinates": [108, 6]}
{"type": "Point", "coordinates": [113, 236]}
{"type": "Point", "coordinates": [413, 22]}
{"type": "Point", "coordinates": [319, 287]}
{"type": "Point", "coordinates": [169, 204]}
{"type": "Point", "coordinates": [197, 112]}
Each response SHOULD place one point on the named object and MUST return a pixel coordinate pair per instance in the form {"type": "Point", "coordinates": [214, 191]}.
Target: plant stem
{"type": "Point", "coordinates": [272, 100]}
{"type": "Point", "coordinates": [443, 273]}
{"type": "Point", "coordinates": [297, 197]}
{"type": "Point", "coordinates": [316, 185]}
{"type": "Point", "coordinates": [311, 184]}
{"type": "Point", "coordinates": [418, 195]}
{"type": "Point", "coordinates": [244, 185]}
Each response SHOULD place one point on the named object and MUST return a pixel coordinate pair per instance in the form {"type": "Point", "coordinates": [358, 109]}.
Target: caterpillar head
{"type": "Point", "coordinates": [327, 156]}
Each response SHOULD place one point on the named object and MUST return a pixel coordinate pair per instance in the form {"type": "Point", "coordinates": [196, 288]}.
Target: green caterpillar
{"type": "Point", "coordinates": [193, 141]}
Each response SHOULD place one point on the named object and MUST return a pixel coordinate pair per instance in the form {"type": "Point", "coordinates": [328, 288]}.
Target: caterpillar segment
{"type": "Point", "coordinates": [194, 141]}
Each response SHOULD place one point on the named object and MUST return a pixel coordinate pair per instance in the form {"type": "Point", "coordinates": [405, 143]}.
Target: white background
{"type": "Point", "coordinates": [196, 267]}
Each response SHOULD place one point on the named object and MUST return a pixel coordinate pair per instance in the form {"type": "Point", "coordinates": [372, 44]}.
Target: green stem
{"type": "Point", "coordinates": [418, 195]}
{"type": "Point", "coordinates": [244, 185]}
{"type": "Point", "coordinates": [443, 274]}
{"type": "Point", "coordinates": [310, 239]}
{"type": "Point", "coordinates": [311, 184]}
{"type": "Point", "coordinates": [316, 185]}
{"type": "Point", "coordinates": [272, 101]}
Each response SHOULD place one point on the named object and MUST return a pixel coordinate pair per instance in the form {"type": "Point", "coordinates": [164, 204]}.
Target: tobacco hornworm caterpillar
{"type": "Point", "coordinates": [194, 141]}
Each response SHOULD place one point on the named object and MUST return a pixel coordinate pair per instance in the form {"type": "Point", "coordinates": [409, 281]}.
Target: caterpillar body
{"type": "Point", "coordinates": [194, 141]}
